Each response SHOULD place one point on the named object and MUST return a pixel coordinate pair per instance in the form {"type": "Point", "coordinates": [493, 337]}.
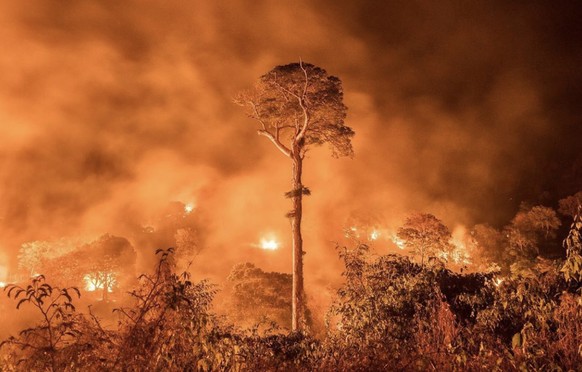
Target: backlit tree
{"type": "Point", "coordinates": [529, 229]}
{"type": "Point", "coordinates": [257, 295]}
{"type": "Point", "coordinates": [105, 261]}
{"type": "Point", "coordinates": [426, 236]}
{"type": "Point", "coordinates": [569, 205]}
{"type": "Point", "coordinates": [299, 105]}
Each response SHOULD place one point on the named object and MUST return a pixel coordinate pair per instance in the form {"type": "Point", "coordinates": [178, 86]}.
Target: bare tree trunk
{"type": "Point", "coordinates": [298, 298]}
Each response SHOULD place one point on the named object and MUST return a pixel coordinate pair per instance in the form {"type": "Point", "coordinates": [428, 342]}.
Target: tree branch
{"type": "Point", "coordinates": [303, 107]}
{"type": "Point", "coordinates": [257, 116]}
{"type": "Point", "coordinates": [276, 142]}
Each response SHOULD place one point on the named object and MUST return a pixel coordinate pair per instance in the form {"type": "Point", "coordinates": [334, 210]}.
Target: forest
{"type": "Point", "coordinates": [505, 299]}
{"type": "Point", "coordinates": [500, 299]}
{"type": "Point", "coordinates": [425, 308]}
{"type": "Point", "coordinates": [313, 185]}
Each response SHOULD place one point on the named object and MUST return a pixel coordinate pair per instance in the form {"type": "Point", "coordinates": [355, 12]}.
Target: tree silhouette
{"type": "Point", "coordinates": [570, 204]}
{"type": "Point", "coordinates": [299, 105]}
{"type": "Point", "coordinates": [259, 295]}
{"type": "Point", "coordinates": [426, 236]}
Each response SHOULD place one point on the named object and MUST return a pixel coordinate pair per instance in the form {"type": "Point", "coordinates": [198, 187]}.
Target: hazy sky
{"type": "Point", "coordinates": [111, 109]}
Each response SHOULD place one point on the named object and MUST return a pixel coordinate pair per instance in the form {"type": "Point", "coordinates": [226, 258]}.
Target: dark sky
{"type": "Point", "coordinates": [109, 110]}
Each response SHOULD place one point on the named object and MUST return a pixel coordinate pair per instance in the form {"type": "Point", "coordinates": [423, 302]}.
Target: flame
{"type": "Point", "coordinates": [351, 232]}
{"type": "Point", "coordinates": [94, 282]}
{"type": "Point", "coordinates": [269, 244]}
{"type": "Point", "coordinates": [89, 285]}
{"type": "Point", "coordinates": [2, 284]}
{"type": "Point", "coordinates": [399, 242]}
{"type": "Point", "coordinates": [188, 208]}
{"type": "Point", "coordinates": [460, 253]}
{"type": "Point", "coordinates": [374, 235]}
{"type": "Point", "coordinates": [498, 281]}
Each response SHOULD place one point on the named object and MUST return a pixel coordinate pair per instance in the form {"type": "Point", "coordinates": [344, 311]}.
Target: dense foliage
{"type": "Point", "coordinates": [390, 313]}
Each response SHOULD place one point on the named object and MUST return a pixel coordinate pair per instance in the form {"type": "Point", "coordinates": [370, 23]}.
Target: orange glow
{"type": "Point", "coordinates": [269, 244]}
{"type": "Point", "coordinates": [460, 253]}
{"type": "Point", "coordinates": [3, 275]}
{"type": "Point", "coordinates": [97, 281]}
{"type": "Point", "coordinates": [189, 208]}
{"type": "Point", "coordinates": [399, 242]}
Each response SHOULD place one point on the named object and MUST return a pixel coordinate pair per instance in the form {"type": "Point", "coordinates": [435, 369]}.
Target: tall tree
{"type": "Point", "coordinates": [299, 105]}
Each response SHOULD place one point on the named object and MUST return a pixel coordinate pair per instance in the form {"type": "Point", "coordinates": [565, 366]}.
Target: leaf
{"type": "Point", "coordinates": [21, 302]}
{"type": "Point", "coordinates": [77, 291]}
{"type": "Point", "coordinates": [66, 294]}
{"type": "Point", "coordinates": [516, 340]}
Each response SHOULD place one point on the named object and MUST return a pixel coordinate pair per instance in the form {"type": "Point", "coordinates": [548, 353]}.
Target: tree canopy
{"type": "Point", "coordinates": [425, 235]}
{"type": "Point", "coordinates": [300, 103]}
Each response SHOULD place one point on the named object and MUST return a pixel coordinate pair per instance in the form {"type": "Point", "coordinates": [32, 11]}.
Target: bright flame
{"type": "Point", "coordinates": [399, 242]}
{"type": "Point", "coordinates": [374, 235]}
{"type": "Point", "coordinates": [188, 208]}
{"type": "Point", "coordinates": [2, 284]}
{"type": "Point", "coordinates": [94, 282]}
{"type": "Point", "coordinates": [89, 285]}
{"type": "Point", "coordinates": [352, 232]}
{"type": "Point", "coordinates": [269, 244]}
{"type": "Point", "coordinates": [460, 253]}
{"type": "Point", "coordinates": [498, 281]}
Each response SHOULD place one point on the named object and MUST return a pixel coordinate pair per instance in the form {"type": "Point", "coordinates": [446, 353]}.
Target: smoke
{"type": "Point", "coordinates": [111, 110]}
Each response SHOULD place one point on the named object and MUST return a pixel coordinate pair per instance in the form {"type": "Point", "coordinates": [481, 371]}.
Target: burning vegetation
{"type": "Point", "coordinates": [147, 224]}
{"type": "Point", "coordinates": [415, 296]}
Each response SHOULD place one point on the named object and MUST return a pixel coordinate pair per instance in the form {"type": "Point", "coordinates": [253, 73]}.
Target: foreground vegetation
{"type": "Point", "coordinates": [391, 313]}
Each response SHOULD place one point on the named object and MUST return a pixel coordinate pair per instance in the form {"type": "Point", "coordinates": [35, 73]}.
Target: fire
{"type": "Point", "coordinates": [188, 208]}
{"type": "Point", "coordinates": [460, 253]}
{"type": "Point", "coordinates": [94, 282]}
{"type": "Point", "coordinates": [498, 281]}
{"type": "Point", "coordinates": [269, 244]}
{"type": "Point", "coordinates": [89, 285]}
{"type": "Point", "coordinates": [399, 242]}
{"type": "Point", "coordinates": [2, 284]}
{"type": "Point", "coordinates": [374, 235]}
{"type": "Point", "coordinates": [352, 232]}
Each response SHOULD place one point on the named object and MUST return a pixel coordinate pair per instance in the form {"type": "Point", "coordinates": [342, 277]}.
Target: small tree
{"type": "Point", "coordinates": [570, 204]}
{"type": "Point", "coordinates": [38, 256]}
{"type": "Point", "coordinates": [187, 246]}
{"type": "Point", "coordinates": [544, 219]}
{"type": "Point", "coordinates": [58, 327]}
{"type": "Point", "coordinates": [299, 105]}
{"type": "Point", "coordinates": [426, 236]}
{"type": "Point", "coordinates": [105, 260]}
{"type": "Point", "coordinates": [529, 229]}
{"type": "Point", "coordinates": [572, 268]}
{"type": "Point", "coordinates": [489, 243]}
{"type": "Point", "coordinates": [258, 295]}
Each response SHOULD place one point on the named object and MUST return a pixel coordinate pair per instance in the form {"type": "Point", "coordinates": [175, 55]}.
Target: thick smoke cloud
{"type": "Point", "coordinates": [109, 110]}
